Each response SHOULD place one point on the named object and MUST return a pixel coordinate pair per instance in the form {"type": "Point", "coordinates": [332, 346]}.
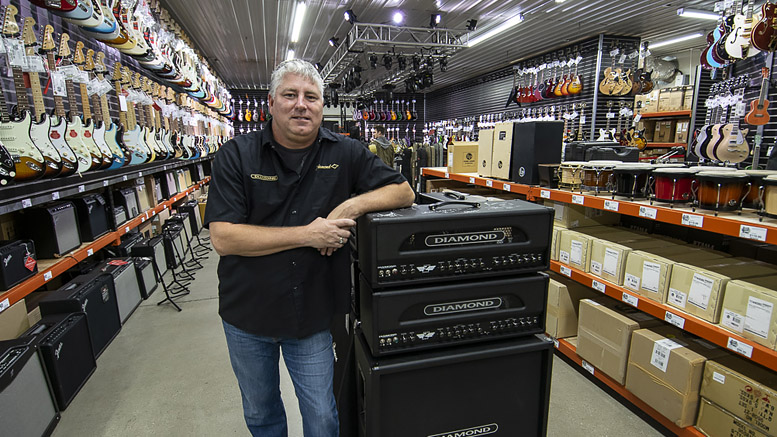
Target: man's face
{"type": "Point", "coordinates": [297, 111]}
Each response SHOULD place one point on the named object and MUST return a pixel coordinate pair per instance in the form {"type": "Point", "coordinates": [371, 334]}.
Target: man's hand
{"type": "Point", "coordinates": [328, 235]}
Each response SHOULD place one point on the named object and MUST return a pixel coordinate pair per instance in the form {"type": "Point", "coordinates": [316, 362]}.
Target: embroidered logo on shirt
{"type": "Point", "coordinates": [328, 167]}
{"type": "Point", "coordinates": [262, 177]}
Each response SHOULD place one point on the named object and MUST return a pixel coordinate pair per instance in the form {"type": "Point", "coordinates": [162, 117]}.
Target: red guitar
{"type": "Point", "coordinates": [764, 33]}
{"type": "Point", "coordinates": [758, 114]}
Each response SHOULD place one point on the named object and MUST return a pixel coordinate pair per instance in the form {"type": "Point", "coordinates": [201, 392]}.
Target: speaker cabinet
{"type": "Point", "coordinates": [169, 188]}
{"type": "Point", "coordinates": [182, 217]}
{"type": "Point", "coordinates": [128, 241]}
{"type": "Point", "coordinates": [119, 216]}
{"type": "Point", "coordinates": [128, 198]}
{"type": "Point", "coordinates": [193, 209]}
{"type": "Point", "coordinates": [500, 388]}
{"type": "Point", "coordinates": [485, 150]}
{"type": "Point", "coordinates": [92, 216]}
{"type": "Point", "coordinates": [125, 282]}
{"type": "Point", "coordinates": [153, 249]}
{"type": "Point", "coordinates": [174, 245]}
{"type": "Point", "coordinates": [520, 147]}
{"type": "Point", "coordinates": [146, 277]}
{"type": "Point", "coordinates": [53, 228]}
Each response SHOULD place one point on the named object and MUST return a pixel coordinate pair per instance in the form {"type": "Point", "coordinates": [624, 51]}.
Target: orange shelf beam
{"type": "Point", "coordinates": [570, 352]}
{"type": "Point", "coordinates": [86, 250]}
{"type": "Point", "coordinates": [715, 334]}
{"type": "Point", "coordinates": [477, 180]}
{"type": "Point", "coordinates": [666, 114]}
{"type": "Point", "coordinates": [664, 145]}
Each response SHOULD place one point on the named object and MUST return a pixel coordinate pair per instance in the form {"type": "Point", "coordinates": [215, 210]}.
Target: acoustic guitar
{"type": "Point", "coordinates": [759, 115]}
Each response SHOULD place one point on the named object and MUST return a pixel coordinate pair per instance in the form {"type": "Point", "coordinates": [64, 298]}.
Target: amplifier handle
{"type": "Point", "coordinates": [434, 206]}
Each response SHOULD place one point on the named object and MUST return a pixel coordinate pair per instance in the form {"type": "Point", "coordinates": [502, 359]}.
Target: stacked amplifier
{"type": "Point", "coordinates": [446, 291]}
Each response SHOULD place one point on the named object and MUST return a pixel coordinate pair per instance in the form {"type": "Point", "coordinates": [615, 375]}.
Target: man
{"type": "Point", "coordinates": [381, 146]}
{"type": "Point", "coordinates": [279, 212]}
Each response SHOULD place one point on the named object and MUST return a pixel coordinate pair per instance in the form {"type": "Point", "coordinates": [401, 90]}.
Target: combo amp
{"type": "Point", "coordinates": [128, 241]}
{"type": "Point", "coordinates": [54, 228]}
{"type": "Point", "coordinates": [175, 248]}
{"type": "Point", "coordinates": [453, 240]}
{"type": "Point", "coordinates": [451, 314]}
{"type": "Point", "coordinates": [125, 282]}
{"type": "Point", "coordinates": [146, 277]}
{"type": "Point", "coordinates": [17, 262]}
{"type": "Point", "coordinates": [181, 217]}
{"type": "Point", "coordinates": [119, 216]}
{"type": "Point", "coordinates": [193, 210]}
{"type": "Point", "coordinates": [157, 253]}
{"type": "Point", "coordinates": [92, 216]}
{"type": "Point", "coordinates": [128, 198]}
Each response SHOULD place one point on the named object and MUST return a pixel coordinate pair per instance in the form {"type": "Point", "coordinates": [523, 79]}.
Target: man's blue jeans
{"type": "Point", "coordinates": [310, 362]}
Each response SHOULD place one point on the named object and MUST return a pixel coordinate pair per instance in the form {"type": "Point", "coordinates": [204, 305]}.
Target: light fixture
{"type": "Point", "coordinates": [299, 17]}
{"type": "Point", "coordinates": [290, 54]}
{"type": "Point", "coordinates": [416, 63]}
{"type": "Point", "coordinates": [497, 30]}
{"type": "Point", "coordinates": [401, 62]}
{"type": "Point", "coordinates": [675, 40]}
{"type": "Point", "coordinates": [444, 64]}
{"type": "Point", "coordinates": [387, 62]}
{"type": "Point", "coordinates": [472, 25]}
{"type": "Point", "coordinates": [373, 61]}
{"type": "Point", "coordinates": [398, 17]}
{"type": "Point", "coordinates": [560, 1]}
{"type": "Point", "coordinates": [349, 16]}
{"type": "Point", "coordinates": [435, 20]}
{"type": "Point", "coordinates": [695, 13]}
{"type": "Point", "coordinates": [334, 42]}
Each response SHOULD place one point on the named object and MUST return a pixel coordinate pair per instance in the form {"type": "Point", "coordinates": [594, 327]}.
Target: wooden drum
{"type": "Point", "coordinates": [672, 184]}
{"type": "Point", "coordinates": [596, 174]}
{"type": "Point", "coordinates": [754, 198]}
{"type": "Point", "coordinates": [570, 174]}
{"type": "Point", "coordinates": [721, 190]}
{"type": "Point", "coordinates": [631, 179]}
{"type": "Point", "coordinates": [770, 196]}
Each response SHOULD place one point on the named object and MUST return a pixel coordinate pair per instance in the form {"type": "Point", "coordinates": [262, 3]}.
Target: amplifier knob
{"type": "Point", "coordinates": [394, 271]}
{"type": "Point", "coordinates": [380, 273]}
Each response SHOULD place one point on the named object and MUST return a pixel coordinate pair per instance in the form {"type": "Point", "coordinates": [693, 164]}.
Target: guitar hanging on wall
{"type": "Point", "coordinates": [759, 115]}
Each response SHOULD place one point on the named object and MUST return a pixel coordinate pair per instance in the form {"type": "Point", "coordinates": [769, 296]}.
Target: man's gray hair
{"type": "Point", "coordinates": [295, 66]}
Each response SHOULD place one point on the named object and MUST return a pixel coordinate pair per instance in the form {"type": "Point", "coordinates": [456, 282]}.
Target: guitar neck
{"type": "Point", "coordinates": [85, 102]}
{"type": "Point", "coordinates": [103, 99]}
{"type": "Point", "coordinates": [21, 91]}
{"type": "Point", "coordinates": [37, 96]}
{"type": "Point", "coordinates": [71, 98]}
{"type": "Point", "coordinates": [59, 106]}
{"type": "Point", "coordinates": [122, 114]}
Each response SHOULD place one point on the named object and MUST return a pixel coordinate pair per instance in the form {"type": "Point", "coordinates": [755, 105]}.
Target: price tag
{"type": "Point", "coordinates": [578, 199]}
{"type": "Point", "coordinates": [34, 64]}
{"type": "Point", "coordinates": [58, 84]}
{"type": "Point", "coordinates": [165, 206]}
{"type": "Point", "coordinates": [105, 183]}
{"type": "Point", "coordinates": [140, 174]}
{"type": "Point", "coordinates": [123, 108]}
{"type": "Point", "coordinates": [752, 233]}
{"type": "Point", "coordinates": [674, 319]}
{"type": "Point", "coordinates": [610, 115]}
{"type": "Point", "coordinates": [596, 285]}
{"type": "Point", "coordinates": [693, 220]}
{"type": "Point", "coordinates": [489, 183]}
{"type": "Point", "coordinates": [646, 212]}
{"type": "Point", "coordinates": [555, 342]}
{"type": "Point", "coordinates": [506, 187]}
{"type": "Point", "coordinates": [629, 299]}
{"type": "Point", "coordinates": [637, 118]}
{"type": "Point", "coordinates": [142, 219]}
{"type": "Point", "coordinates": [739, 347]}
{"type": "Point", "coordinates": [566, 271]}
{"type": "Point", "coordinates": [89, 252]}
{"type": "Point", "coordinates": [622, 58]}
{"type": "Point", "coordinates": [611, 205]}
{"type": "Point", "coordinates": [26, 203]}
{"type": "Point", "coordinates": [55, 195]}
{"type": "Point", "coordinates": [545, 194]}
{"type": "Point", "coordinates": [124, 178]}
{"type": "Point", "coordinates": [471, 180]}
{"type": "Point", "coordinates": [587, 367]}
{"type": "Point", "coordinates": [4, 304]}
{"type": "Point", "coordinates": [16, 57]}
{"type": "Point", "coordinates": [126, 229]}
{"type": "Point", "coordinates": [47, 276]}
{"type": "Point", "coordinates": [81, 188]}
{"type": "Point", "coordinates": [153, 212]}
{"type": "Point", "coordinates": [582, 120]}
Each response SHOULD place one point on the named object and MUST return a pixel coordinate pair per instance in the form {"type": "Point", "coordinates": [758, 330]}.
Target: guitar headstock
{"type": "Point", "coordinates": [126, 76]}
{"type": "Point", "coordinates": [170, 95]}
{"type": "Point", "coordinates": [64, 48]}
{"type": "Point", "coordinates": [48, 39]}
{"type": "Point", "coordinates": [117, 71]}
{"type": "Point", "coordinates": [28, 32]}
{"type": "Point", "coordinates": [78, 55]}
{"type": "Point", "coordinates": [10, 26]}
{"type": "Point", "coordinates": [136, 81]}
{"type": "Point", "coordinates": [89, 64]}
{"type": "Point", "coordinates": [100, 63]}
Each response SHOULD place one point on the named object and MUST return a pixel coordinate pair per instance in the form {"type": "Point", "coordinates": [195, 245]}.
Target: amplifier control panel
{"type": "Point", "coordinates": [514, 263]}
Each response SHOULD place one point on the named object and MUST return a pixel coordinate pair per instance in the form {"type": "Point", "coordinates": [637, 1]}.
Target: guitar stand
{"type": "Point", "coordinates": [170, 295]}
{"type": "Point", "coordinates": [184, 273]}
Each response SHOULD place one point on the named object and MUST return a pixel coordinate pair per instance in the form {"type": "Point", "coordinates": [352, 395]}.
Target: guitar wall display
{"type": "Point", "coordinates": [721, 138]}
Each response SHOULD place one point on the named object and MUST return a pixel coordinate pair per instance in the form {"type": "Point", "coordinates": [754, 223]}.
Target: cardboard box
{"type": "Point", "coordinates": [146, 229]}
{"type": "Point", "coordinates": [665, 370]}
{"type": "Point", "coordinates": [714, 421]}
{"type": "Point", "coordinates": [744, 389]}
{"type": "Point", "coordinates": [143, 198]}
{"type": "Point", "coordinates": [697, 291]}
{"type": "Point", "coordinates": [651, 102]}
{"type": "Point", "coordinates": [14, 321]}
{"type": "Point", "coordinates": [577, 216]}
{"type": "Point", "coordinates": [485, 150]}
{"type": "Point", "coordinates": [604, 334]}
{"type": "Point", "coordinates": [574, 249]}
{"type": "Point", "coordinates": [555, 237]}
{"type": "Point", "coordinates": [608, 260]}
{"type": "Point", "coordinates": [564, 297]}
{"type": "Point", "coordinates": [463, 158]}
{"type": "Point", "coordinates": [749, 310]}
{"type": "Point", "coordinates": [681, 131]}
{"type": "Point", "coordinates": [648, 275]}
{"type": "Point", "coordinates": [664, 131]}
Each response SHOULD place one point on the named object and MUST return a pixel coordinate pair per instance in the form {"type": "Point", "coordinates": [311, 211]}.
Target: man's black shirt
{"type": "Point", "coordinates": [294, 293]}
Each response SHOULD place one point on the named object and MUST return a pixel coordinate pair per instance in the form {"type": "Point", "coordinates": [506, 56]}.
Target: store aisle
{"type": "Point", "coordinates": [168, 374]}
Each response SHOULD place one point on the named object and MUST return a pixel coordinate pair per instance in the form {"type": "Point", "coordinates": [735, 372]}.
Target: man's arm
{"type": "Point", "coordinates": [251, 240]}
{"type": "Point", "coordinates": [381, 199]}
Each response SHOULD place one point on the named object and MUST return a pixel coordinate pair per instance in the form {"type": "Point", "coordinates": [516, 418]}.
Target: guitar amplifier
{"type": "Point", "coordinates": [125, 282]}
{"type": "Point", "coordinates": [144, 204]}
{"type": "Point", "coordinates": [575, 151]}
{"type": "Point", "coordinates": [18, 262]}
{"type": "Point", "coordinates": [180, 180]}
{"type": "Point", "coordinates": [169, 188]}
{"type": "Point", "coordinates": [146, 277]}
{"type": "Point", "coordinates": [158, 189]}
{"type": "Point", "coordinates": [119, 216]}
{"type": "Point", "coordinates": [430, 316]}
{"type": "Point", "coordinates": [95, 296]}
{"type": "Point", "coordinates": [67, 352]}
{"type": "Point", "coordinates": [128, 241]}
{"type": "Point", "coordinates": [182, 218]}
{"type": "Point", "coordinates": [500, 388]}
{"type": "Point", "coordinates": [174, 244]}
{"type": "Point", "coordinates": [128, 198]}
{"type": "Point", "coordinates": [155, 250]}
{"type": "Point", "coordinates": [193, 210]}
{"type": "Point", "coordinates": [53, 228]}
{"type": "Point", "coordinates": [519, 147]}
{"type": "Point", "coordinates": [25, 395]}
{"type": "Point", "coordinates": [453, 240]}
{"type": "Point", "coordinates": [92, 216]}
{"type": "Point", "coordinates": [619, 153]}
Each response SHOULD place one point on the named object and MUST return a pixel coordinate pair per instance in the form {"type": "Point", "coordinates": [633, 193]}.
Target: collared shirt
{"type": "Point", "coordinates": [294, 293]}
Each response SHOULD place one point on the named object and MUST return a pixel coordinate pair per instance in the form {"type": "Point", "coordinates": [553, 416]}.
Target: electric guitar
{"type": "Point", "coordinates": [262, 114]}
{"type": "Point", "coordinates": [764, 33]}
{"type": "Point", "coordinates": [143, 86]}
{"type": "Point", "coordinates": [733, 146]}
{"type": "Point", "coordinates": [88, 128]}
{"type": "Point", "coordinates": [249, 115]}
{"type": "Point", "coordinates": [759, 114]}
{"type": "Point", "coordinates": [716, 131]}
{"type": "Point", "coordinates": [138, 115]}
{"type": "Point", "coordinates": [607, 134]}
{"type": "Point", "coordinates": [112, 134]}
{"type": "Point", "coordinates": [737, 43]}
{"type": "Point", "coordinates": [130, 132]}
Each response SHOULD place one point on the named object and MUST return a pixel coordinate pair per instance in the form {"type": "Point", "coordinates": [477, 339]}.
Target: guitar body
{"type": "Point", "coordinates": [98, 135]}
{"type": "Point", "coordinates": [140, 152]}
{"type": "Point", "coordinates": [121, 156]}
{"type": "Point", "coordinates": [557, 89]}
{"type": "Point", "coordinates": [548, 91]}
{"type": "Point", "coordinates": [606, 135]}
{"type": "Point", "coordinates": [764, 36]}
{"type": "Point", "coordinates": [58, 133]}
{"type": "Point", "coordinates": [143, 144]}
{"type": "Point", "coordinates": [159, 137]}
{"type": "Point", "coordinates": [39, 133]}
{"type": "Point", "coordinates": [513, 96]}
{"type": "Point", "coordinates": [636, 83]}
{"type": "Point", "coordinates": [7, 167]}
{"type": "Point", "coordinates": [149, 136]}
{"type": "Point", "coordinates": [70, 161]}
{"type": "Point", "coordinates": [91, 142]}
{"type": "Point", "coordinates": [731, 149]}
{"type": "Point", "coordinates": [29, 163]}
{"type": "Point", "coordinates": [606, 85]}
{"type": "Point", "coordinates": [734, 39]}
{"type": "Point", "coordinates": [61, 5]}
{"type": "Point", "coordinates": [700, 137]}
{"type": "Point", "coordinates": [719, 133]}
{"type": "Point", "coordinates": [758, 114]}
{"type": "Point", "coordinates": [575, 85]}
{"type": "Point", "coordinates": [366, 114]}
{"type": "Point", "coordinates": [75, 139]}
{"type": "Point", "coordinates": [627, 84]}
{"type": "Point", "coordinates": [194, 152]}
{"type": "Point", "coordinates": [409, 115]}
{"type": "Point", "coordinates": [393, 115]}
{"type": "Point", "coordinates": [647, 82]}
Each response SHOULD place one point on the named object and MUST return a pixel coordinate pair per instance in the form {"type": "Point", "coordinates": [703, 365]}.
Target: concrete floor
{"type": "Point", "coordinates": [168, 374]}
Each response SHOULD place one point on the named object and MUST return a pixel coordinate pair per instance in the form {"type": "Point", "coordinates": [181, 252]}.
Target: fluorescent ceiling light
{"type": "Point", "coordinates": [675, 40]}
{"type": "Point", "coordinates": [497, 30]}
{"type": "Point", "coordinates": [290, 54]}
{"type": "Point", "coordinates": [693, 13]}
{"type": "Point", "coordinates": [299, 17]}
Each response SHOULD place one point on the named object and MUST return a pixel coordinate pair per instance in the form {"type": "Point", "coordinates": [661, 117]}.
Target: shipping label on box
{"type": "Point", "coordinates": [749, 310]}
{"type": "Point", "coordinates": [715, 421]}
{"type": "Point", "coordinates": [697, 291]}
{"type": "Point", "coordinates": [574, 249]}
{"type": "Point", "coordinates": [647, 275]}
{"type": "Point", "coordinates": [608, 260]}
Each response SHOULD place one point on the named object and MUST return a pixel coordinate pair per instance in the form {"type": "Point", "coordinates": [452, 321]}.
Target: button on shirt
{"type": "Point", "coordinates": [294, 293]}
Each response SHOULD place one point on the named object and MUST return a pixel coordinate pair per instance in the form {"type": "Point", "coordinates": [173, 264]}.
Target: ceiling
{"type": "Point", "coordinates": [244, 39]}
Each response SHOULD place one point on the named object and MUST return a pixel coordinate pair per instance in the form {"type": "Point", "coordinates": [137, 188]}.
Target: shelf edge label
{"type": "Point", "coordinates": [545, 194]}
{"type": "Point", "coordinates": [648, 212]}
{"type": "Point", "coordinates": [506, 187]}
{"type": "Point", "coordinates": [577, 199]}
{"type": "Point", "coordinates": [629, 299]}
{"type": "Point", "coordinates": [566, 271]}
{"type": "Point", "coordinates": [587, 366]}
{"type": "Point", "coordinates": [752, 233]}
{"type": "Point", "coordinates": [739, 347]}
{"type": "Point", "coordinates": [596, 285]}
{"type": "Point", "coordinates": [5, 303]}
{"type": "Point", "coordinates": [47, 276]}
{"type": "Point", "coordinates": [471, 180]}
{"type": "Point", "coordinates": [674, 319]}
{"type": "Point", "coordinates": [489, 183]}
{"type": "Point", "coordinates": [693, 220]}
{"type": "Point", "coordinates": [611, 205]}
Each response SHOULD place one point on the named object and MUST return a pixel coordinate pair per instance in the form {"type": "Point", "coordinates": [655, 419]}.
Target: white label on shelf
{"type": "Point", "coordinates": [674, 319]}
{"type": "Point", "coordinates": [646, 212]}
{"type": "Point", "coordinates": [506, 187]}
{"type": "Point", "coordinates": [611, 205]}
{"type": "Point", "coordinates": [587, 367]}
{"type": "Point", "coordinates": [55, 195]}
{"type": "Point", "coordinates": [89, 252]}
{"type": "Point", "coordinates": [555, 343]}
{"type": "Point", "coordinates": [124, 178]}
{"type": "Point", "coordinates": [563, 256]}
{"type": "Point", "coordinates": [611, 258]}
{"type": "Point", "coordinates": [758, 317]}
{"type": "Point", "coordinates": [651, 276]}
{"type": "Point", "coordinates": [164, 206]}
{"type": "Point", "coordinates": [719, 377]}
{"type": "Point", "coordinates": [489, 183]}
{"type": "Point", "coordinates": [631, 282]}
{"type": "Point", "coordinates": [126, 229]}
{"type": "Point", "coordinates": [752, 233]}
{"type": "Point", "coordinates": [545, 194]}
{"type": "Point", "coordinates": [739, 347]}
{"type": "Point", "coordinates": [566, 271]}
{"type": "Point", "coordinates": [447, 175]}
{"type": "Point", "coordinates": [5, 303]}
{"type": "Point", "coordinates": [629, 299]}
{"type": "Point", "coordinates": [142, 219]}
{"type": "Point", "coordinates": [105, 183]}
{"type": "Point", "coordinates": [676, 297]}
{"type": "Point", "coordinates": [577, 199]}
{"type": "Point", "coordinates": [26, 203]}
{"type": "Point", "coordinates": [701, 290]}
{"type": "Point", "coordinates": [47, 276]}
{"type": "Point", "coordinates": [596, 268]}
{"type": "Point", "coordinates": [693, 220]}
{"type": "Point", "coordinates": [471, 180]}
{"type": "Point", "coordinates": [140, 174]}
{"type": "Point", "coordinates": [732, 319]}
{"type": "Point", "coordinates": [153, 213]}
{"type": "Point", "coordinates": [596, 285]}
{"type": "Point", "coordinates": [637, 118]}
{"type": "Point", "coordinates": [576, 252]}
{"type": "Point", "coordinates": [661, 351]}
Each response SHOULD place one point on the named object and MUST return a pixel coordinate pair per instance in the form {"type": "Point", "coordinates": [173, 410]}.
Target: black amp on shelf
{"type": "Point", "coordinates": [92, 216]}
{"type": "Point", "coordinates": [53, 227]}
{"type": "Point", "coordinates": [17, 262]}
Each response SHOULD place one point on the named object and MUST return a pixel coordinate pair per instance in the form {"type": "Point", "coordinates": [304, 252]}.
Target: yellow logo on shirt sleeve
{"type": "Point", "coordinates": [262, 177]}
{"type": "Point", "coordinates": [328, 167]}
